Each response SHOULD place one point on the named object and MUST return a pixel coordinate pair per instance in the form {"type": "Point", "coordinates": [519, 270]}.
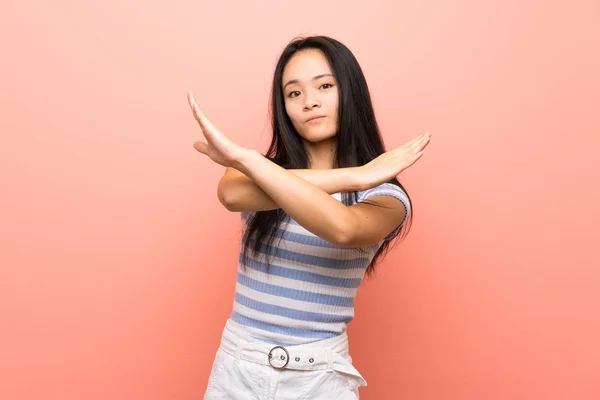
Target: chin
{"type": "Point", "coordinates": [314, 137]}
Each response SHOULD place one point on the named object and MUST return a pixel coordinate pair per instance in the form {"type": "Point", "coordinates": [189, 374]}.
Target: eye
{"type": "Point", "coordinates": [327, 84]}
{"type": "Point", "coordinates": [293, 94]}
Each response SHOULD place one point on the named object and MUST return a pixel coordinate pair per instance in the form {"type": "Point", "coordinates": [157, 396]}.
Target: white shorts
{"type": "Point", "coordinates": [242, 369]}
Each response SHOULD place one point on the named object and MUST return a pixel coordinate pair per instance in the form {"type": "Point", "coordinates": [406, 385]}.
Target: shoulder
{"type": "Point", "coordinates": [380, 212]}
{"type": "Point", "coordinates": [385, 189]}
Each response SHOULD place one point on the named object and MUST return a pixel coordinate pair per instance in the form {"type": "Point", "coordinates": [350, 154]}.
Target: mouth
{"type": "Point", "coordinates": [315, 118]}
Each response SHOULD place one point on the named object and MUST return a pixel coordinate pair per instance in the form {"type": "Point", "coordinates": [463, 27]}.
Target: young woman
{"type": "Point", "coordinates": [318, 211]}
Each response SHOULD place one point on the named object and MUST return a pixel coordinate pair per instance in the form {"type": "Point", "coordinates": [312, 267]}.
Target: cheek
{"type": "Point", "coordinates": [333, 101]}
{"type": "Point", "coordinates": [292, 112]}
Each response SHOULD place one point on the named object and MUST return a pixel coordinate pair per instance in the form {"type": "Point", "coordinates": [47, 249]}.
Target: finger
{"type": "Point", "coordinates": [420, 144]}
{"type": "Point", "coordinates": [195, 109]}
{"type": "Point", "coordinates": [204, 123]}
{"type": "Point", "coordinates": [411, 143]}
{"type": "Point", "coordinates": [207, 126]}
{"type": "Point", "coordinates": [201, 147]}
{"type": "Point", "coordinates": [408, 147]}
{"type": "Point", "coordinates": [423, 142]}
{"type": "Point", "coordinates": [413, 159]}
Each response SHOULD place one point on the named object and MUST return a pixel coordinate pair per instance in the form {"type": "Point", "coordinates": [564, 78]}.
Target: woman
{"type": "Point", "coordinates": [318, 211]}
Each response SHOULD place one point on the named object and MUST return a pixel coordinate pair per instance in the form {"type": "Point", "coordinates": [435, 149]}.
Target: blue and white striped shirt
{"type": "Point", "coordinates": [309, 291]}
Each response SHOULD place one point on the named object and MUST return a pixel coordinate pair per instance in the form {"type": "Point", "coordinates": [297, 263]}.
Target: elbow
{"type": "Point", "coordinates": [344, 237]}
{"type": "Point", "coordinates": [227, 198]}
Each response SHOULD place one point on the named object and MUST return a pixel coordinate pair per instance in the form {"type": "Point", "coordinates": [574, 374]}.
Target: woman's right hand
{"type": "Point", "coordinates": [392, 163]}
{"type": "Point", "coordinates": [218, 147]}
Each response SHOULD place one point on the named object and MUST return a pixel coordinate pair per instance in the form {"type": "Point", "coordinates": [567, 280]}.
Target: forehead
{"type": "Point", "coordinates": [306, 64]}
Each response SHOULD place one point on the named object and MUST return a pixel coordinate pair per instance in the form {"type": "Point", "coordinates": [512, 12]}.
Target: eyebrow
{"type": "Point", "coordinates": [314, 79]}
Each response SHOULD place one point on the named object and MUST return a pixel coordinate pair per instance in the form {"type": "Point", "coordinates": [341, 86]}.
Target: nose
{"type": "Point", "coordinates": [311, 101]}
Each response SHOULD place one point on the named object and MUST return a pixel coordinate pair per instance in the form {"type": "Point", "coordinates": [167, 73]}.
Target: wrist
{"type": "Point", "coordinates": [356, 179]}
{"type": "Point", "coordinates": [243, 159]}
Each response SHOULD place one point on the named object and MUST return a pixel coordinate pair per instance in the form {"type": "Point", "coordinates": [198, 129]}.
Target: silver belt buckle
{"type": "Point", "coordinates": [282, 359]}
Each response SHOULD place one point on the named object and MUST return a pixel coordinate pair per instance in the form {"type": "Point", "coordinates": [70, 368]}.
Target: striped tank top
{"type": "Point", "coordinates": [309, 291]}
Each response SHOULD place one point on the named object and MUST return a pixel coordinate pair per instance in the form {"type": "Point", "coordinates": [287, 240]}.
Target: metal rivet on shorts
{"type": "Point", "coordinates": [311, 360]}
{"type": "Point", "coordinates": [297, 358]}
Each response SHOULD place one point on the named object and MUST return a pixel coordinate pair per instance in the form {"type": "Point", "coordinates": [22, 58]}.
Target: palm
{"type": "Point", "coordinates": [217, 147]}
{"type": "Point", "coordinates": [212, 153]}
{"type": "Point", "coordinates": [388, 165]}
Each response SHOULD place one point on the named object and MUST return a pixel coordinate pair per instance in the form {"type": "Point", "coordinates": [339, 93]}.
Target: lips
{"type": "Point", "coordinates": [315, 117]}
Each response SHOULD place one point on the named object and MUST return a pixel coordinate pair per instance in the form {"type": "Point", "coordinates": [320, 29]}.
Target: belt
{"type": "Point", "coordinates": [328, 354]}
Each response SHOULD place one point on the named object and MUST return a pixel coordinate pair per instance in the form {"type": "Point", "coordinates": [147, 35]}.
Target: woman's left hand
{"type": "Point", "coordinates": [218, 147]}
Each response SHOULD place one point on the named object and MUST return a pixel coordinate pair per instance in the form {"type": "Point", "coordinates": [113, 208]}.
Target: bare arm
{"type": "Point", "coordinates": [308, 204]}
{"type": "Point", "coordinates": [237, 192]}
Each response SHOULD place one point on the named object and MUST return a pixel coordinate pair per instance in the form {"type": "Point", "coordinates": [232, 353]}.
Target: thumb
{"type": "Point", "coordinates": [201, 147]}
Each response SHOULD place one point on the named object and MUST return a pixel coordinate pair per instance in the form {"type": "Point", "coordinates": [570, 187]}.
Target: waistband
{"type": "Point", "coordinates": [328, 354]}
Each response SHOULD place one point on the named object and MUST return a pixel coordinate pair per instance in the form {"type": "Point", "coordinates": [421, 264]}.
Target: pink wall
{"type": "Point", "coordinates": [117, 263]}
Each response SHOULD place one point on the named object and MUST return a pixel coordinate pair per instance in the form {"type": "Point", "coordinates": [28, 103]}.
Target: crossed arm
{"type": "Point", "coordinates": [305, 196]}
{"type": "Point", "coordinates": [259, 184]}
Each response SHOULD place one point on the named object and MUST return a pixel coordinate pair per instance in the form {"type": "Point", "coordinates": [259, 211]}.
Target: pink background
{"type": "Point", "coordinates": [117, 262]}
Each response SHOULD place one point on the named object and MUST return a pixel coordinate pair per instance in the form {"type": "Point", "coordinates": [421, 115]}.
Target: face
{"type": "Point", "coordinates": [311, 96]}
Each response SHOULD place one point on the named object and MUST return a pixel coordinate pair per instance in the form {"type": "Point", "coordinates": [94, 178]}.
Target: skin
{"type": "Point", "coordinates": [257, 183]}
{"type": "Point", "coordinates": [310, 89]}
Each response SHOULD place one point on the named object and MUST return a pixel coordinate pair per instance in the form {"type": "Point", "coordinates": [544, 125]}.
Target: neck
{"type": "Point", "coordinates": [321, 154]}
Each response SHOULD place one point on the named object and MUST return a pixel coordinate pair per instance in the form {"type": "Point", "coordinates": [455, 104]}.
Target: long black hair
{"type": "Point", "coordinates": [358, 137]}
